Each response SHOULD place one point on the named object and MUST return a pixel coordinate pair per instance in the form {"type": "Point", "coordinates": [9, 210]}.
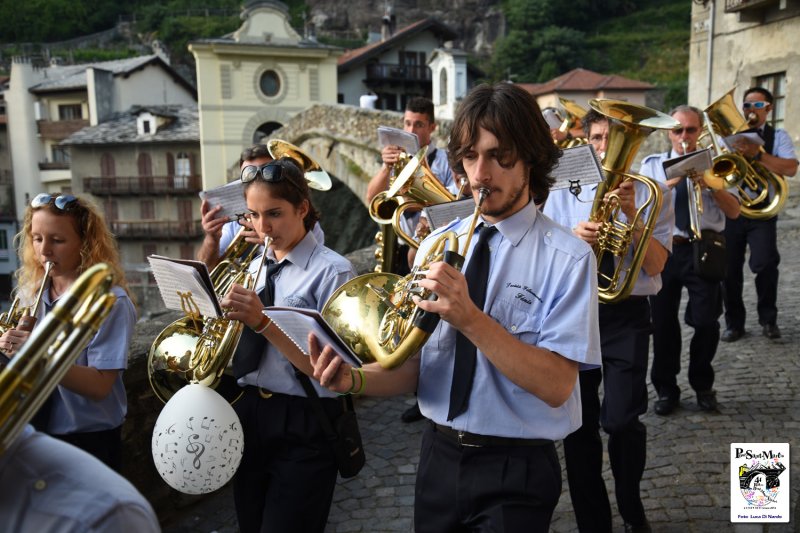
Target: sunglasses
{"type": "Point", "coordinates": [755, 105]}
{"type": "Point", "coordinates": [62, 201]}
{"type": "Point", "coordinates": [691, 130]}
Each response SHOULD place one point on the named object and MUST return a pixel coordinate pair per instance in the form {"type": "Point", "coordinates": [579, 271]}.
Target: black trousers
{"type": "Point", "coordinates": [761, 237]}
{"type": "Point", "coordinates": [286, 479]}
{"type": "Point", "coordinates": [493, 488]}
{"type": "Point", "coordinates": [106, 445]}
{"type": "Point", "coordinates": [702, 313]}
{"type": "Point", "coordinates": [625, 330]}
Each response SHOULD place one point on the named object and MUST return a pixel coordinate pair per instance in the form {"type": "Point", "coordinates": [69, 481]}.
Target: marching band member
{"type": "Point", "coordinates": [704, 306]}
{"type": "Point", "coordinates": [777, 156]}
{"type": "Point", "coordinates": [625, 330]}
{"type": "Point", "coordinates": [488, 459]}
{"type": "Point", "coordinates": [286, 479]}
{"type": "Point", "coordinates": [89, 405]}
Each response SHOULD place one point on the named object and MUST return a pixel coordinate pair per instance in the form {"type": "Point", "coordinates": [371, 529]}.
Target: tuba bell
{"type": "Point", "coordinates": [628, 126]}
{"type": "Point", "coordinates": [29, 378]}
{"type": "Point", "coordinates": [751, 179]}
{"type": "Point", "coordinates": [375, 313]}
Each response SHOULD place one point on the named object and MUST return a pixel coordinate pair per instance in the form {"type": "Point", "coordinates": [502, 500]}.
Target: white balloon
{"type": "Point", "coordinates": [197, 440]}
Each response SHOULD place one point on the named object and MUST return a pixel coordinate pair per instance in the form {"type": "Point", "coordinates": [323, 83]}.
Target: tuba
{"type": "Point", "coordinates": [751, 179]}
{"type": "Point", "coordinates": [628, 126]}
{"type": "Point", "coordinates": [198, 349]}
{"type": "Point", "coordinates": [24, 318]}
{"type": "Point", "coordinates": [375, 313]}
{"type": "Point", "coordinates": [573, 116]}
{"type": "Point", "coordinates": [29, 378]}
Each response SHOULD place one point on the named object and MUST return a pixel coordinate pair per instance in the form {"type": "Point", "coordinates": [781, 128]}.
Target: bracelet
{"type": "Point", "coordinates": [352, 384]}
{"type": "Point", "coordinates": [363, 380]}
{"type": "Point", "coordinates": [261, 327]}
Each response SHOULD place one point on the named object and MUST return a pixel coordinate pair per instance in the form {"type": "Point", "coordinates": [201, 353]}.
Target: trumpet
{"type": "Point", "coordinates": [375, 313]}
{"type": "Point", "coordinates": [695, 201]}
{"type": "Point", "coordinates": [30, 377]}
{"type": "Point", "coordinates": [24, 318]}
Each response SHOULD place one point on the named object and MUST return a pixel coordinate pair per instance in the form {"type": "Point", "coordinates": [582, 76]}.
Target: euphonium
{"type": "Point", "coordinates": [197, 349]}
{"type": "Point", "coordinates": [628, 126]}
{"type": "Point", "coordinates": [24, 318]}
{"type": "Point", "coordinates": [751, 179]}
{"type": "Point", "coordinates": [29, 378]}
{"type": "Point", "coordinates": [574, 114]}
{"type": "Point", "coordinates": [375, 313]}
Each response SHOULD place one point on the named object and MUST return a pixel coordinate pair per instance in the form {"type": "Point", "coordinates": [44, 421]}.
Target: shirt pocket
{"type": "Point", "coordinates": [520, 319]}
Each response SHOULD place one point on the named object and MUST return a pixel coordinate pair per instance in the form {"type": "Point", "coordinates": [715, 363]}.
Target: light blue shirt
{"type": "Point", "coordinates": [783, 146]}
{"type": "Point", "coordinates": [312, 273]}
{"type": "Point", "coordinates": [567, 209]}
{"type": "Point", "coordinates": [49, 485]}
{"type": "Point", "coordinates": [542, 289]}
{"type": "Point", "coordinates": [230, 230]}
{"type": "Point", "coordinates": [712, 217]}
{"type": "Point", "coordinates": [108, 350]}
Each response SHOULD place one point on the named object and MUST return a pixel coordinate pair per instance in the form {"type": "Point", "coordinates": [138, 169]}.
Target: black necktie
{"type": "Point", "coordinates": [477, 275]}
{"type": "Point", "coordinates": [682, 205]}
{"type": "Point", "coordinates": [251, 344]}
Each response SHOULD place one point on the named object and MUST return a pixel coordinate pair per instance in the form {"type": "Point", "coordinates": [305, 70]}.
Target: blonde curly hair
{"type": "Point", "coordinates": [97, 243]}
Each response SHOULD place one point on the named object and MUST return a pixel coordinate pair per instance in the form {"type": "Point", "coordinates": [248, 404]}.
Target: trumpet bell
{"type": "Point", "coordinates": [315, 175]}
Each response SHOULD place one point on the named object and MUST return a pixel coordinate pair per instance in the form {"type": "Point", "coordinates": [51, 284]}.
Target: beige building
{"type": "Point", "coordinates": [743, 43]}
{"type": "Point", "coordinates": [251, 82]}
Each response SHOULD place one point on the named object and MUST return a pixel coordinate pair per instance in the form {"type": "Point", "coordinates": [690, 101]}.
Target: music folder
{"type": "Point", "coordinates": [296, 323]}
{"type": "Point", "coordinates": [183, 280]}
{"type": "Point", "coordinates": [694, 162]}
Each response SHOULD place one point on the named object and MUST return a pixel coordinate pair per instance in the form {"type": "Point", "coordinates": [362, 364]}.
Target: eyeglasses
{"type": "Point", "coordinates": [270, 172]}
{"type": "Point", "coordinates": [755, 105]}
{"type": "Point", "coordinates": [691, 130]}
{"type": "Point", "coordinates": [62, 201]}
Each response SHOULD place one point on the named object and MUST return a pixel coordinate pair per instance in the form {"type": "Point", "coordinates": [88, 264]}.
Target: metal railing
{"type": "Point", "coordinates": [152, 229]}
{"type": "Point", "coordinates": [387, 71]}
{"type": "Point", "coordinates": [143, 185]}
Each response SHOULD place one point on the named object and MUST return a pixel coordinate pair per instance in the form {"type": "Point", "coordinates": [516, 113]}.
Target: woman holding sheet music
{"type": "Point", "coordinates": [288, 472]}
{"type": "Point", "coordinates": [89, 405]}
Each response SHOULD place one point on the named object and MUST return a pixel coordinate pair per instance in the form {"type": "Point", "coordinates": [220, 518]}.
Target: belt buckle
{"type": "Point", "coordinates": [462, 443]}
{"type": "Point", "coordinates": [264, 393]}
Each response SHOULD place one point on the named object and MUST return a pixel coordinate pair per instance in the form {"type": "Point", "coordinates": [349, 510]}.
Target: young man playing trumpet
{"type": "Point", "coordinates": [497, 379]}
{"type": "Point", "coordinates": [625, 342]}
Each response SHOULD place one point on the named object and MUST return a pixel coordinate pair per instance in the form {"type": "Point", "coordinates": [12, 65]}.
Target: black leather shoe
{"type": "Point", "coordinates": [707, 400]}
{"type": "Point", "coordinates": [411, 414]}
{"type": "Point", "coordinates": [644, 528]}
{"type": "Point", "coordinates": [732, 335]}
{"type": "Point", "coordinates": [771, 331]}
{"type": "Point", "coordinates": [665, 405]}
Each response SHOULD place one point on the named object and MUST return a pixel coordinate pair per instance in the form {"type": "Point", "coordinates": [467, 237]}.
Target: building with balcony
{"type": "Point", "coordinates": [142, 167]}
{"type": "Point", "coordinates": [252, 81]}
{"type": "Point", "coordinates": [394, 68]}
{"type": "Point", "coordinates": [46, 104]}
{"type": "Point", "coordinates": [745, 43]}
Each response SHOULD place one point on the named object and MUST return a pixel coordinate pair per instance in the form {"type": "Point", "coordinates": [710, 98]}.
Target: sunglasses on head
{"type": "Point", "coordinates": [62, 201]}
{"type": "Point", "coordinates": [691, 130]}
{"type": "Point", "coordinates": [755, 105]}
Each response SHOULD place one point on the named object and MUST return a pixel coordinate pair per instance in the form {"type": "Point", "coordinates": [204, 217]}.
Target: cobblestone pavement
{"type": "Point", "coordinates": [686, 483]}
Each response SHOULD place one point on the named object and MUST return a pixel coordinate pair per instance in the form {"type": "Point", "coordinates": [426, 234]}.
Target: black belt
{"type": "Point", "coordinates": [473, 440]}
{"type": "Point", "coordinates": [266, 394]}
{"type": "Point", "coordinates": [677, 239]}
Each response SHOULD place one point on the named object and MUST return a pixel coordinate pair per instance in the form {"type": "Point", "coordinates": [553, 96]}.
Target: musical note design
{"type": "Point", "coordinates": [197, 449]}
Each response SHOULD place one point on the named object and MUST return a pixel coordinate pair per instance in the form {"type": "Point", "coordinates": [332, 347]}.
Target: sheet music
{"type": "Point", "coordinates": [230, 196]}
{"type": "Point", "coordinates": [751, 136]}
{"type": "Point", "coordinates": [405, 140]}
{"type": "Point", "coordinates": [680, 166]}
{"type": "Point", "coordinates": [296, 323]}
{"type": "Point", "coordinates": [439, 215]}
{"type": "Point", "coordinates": [183, 277]}
{"type": "Point", "coordinates": [578, 165]}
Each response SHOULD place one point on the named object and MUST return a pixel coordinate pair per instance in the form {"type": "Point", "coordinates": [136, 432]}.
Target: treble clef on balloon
{"type": "Point", "coordinates": [202, 419]}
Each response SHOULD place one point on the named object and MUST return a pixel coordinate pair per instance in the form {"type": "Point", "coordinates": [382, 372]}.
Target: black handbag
{"type": "Point", "coordinates": [343, 432]}
{"type": "Point", "coordinates": [710, 259]}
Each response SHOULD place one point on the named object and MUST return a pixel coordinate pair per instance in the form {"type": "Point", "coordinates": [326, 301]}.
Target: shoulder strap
{"type": "Point", "coordinates": [431, 156]}
{"type": "Point", "coordinates": [316, 403]}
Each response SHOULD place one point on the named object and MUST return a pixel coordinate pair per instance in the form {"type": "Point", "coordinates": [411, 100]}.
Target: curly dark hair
{"type": "Point", "coordinates": [512, 115]}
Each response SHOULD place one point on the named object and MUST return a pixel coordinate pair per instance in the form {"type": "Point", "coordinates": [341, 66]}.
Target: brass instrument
{"type": "Point", "coordinates": [24, 318]}
{"type": "Point", "coordinates": [375, 313]}
{"type": "Point", "coordinates": [315, 175]}
{"type": "Point", "coordinates": [695, 194]}
{"type": "Point", "coordinates": [197, 349]}
{"type": "Point", "coordinates": [628, 126]}
{"type": "Point", "coordinates": [751, 179]}
{"type": "Point", "coordinates": [30, 377]}
{"type": "Point", "coordinates": [572, 118]}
